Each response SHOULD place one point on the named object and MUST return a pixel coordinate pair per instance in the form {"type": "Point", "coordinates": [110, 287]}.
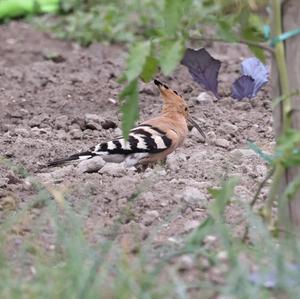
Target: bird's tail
{"type": "Point", "coordinates": [76, 157]}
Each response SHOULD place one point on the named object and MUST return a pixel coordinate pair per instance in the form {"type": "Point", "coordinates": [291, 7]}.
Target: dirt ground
{"type": "Point", "coordinates": [49, 88]}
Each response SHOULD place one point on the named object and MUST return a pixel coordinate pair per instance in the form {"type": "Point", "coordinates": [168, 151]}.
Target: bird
{"type": "Point", "coordinates": [149, 142]}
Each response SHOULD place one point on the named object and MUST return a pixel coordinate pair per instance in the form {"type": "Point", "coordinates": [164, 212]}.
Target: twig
{"type": "Point", "coordinates": [263, 46]}
{"type": "Point", "coordinates": [286, 104]}
{"type": "Point", "coordinates": [260, 186]}
{"type": "Point", "coordinates": [255, 197]}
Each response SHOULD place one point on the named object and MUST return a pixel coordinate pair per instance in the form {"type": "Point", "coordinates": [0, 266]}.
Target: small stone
{"type": "Point", "coordinates": [261, 170]}
{"type": "Point", "coordinates": [197, 156]}
{"type": "Point", "coordinates": [149, 217]}
{"type": "Point", "coordinates": [3, 182]}
{"type": "Point", "coordinates": [193, 196]}
{"type": "Point", "coordinates": [211, 135]}
{"type": "Point", "coordinates": [37, 120]}
{"type": "Point", "coordinates": [76, 133]}
{"type": "Point", "coordinates": [229, 128]}
{"type": "Point", "coordinates": [113, 169]}
{"type": "Point", "coordinates": [148, 197]}
{"type": "Point", "coordinates": [118, 132]}
{"type": "Point", "coordinates": [190, 225]}
{"type": "Point", "coordinates": [61, 122]}
{"type": "Point", "coordinates": [90, 165]}
{"type": "Point", "coordinates": [221, 142]}
{"type": "Point", "coordinates": [242, 153]}
{"type": "Point", "coordinates": [93, 118]}
{"type": "Point", "coordinates": [204, 98]}
{"type": "Point", "coordinates": [61, 134]}
{"type": "Point", "coordinates": [22, 132]}
{"type": "Point", "coordinates": [185, 262]}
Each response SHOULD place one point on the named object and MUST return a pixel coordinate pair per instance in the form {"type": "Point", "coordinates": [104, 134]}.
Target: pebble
{"type": "Point", "coordinates": [61, 122]}
{"type": "Point", "coordinates": [192, 195]}
{"type": "Point", "coordinates": [61, 134]}
{"type": "Point", "coordinates": [190, 225]}
{"type": "Point", "coordinates": [37, 120]}
{"type": "Point", "coordinates": [242, 153]}
{"type": "Point", "coordinates": [94, 118]}
{"type": "Point", "coordinates": [149, 217]}
{"type": "Point", "coordinates": [22, 132]}
{"type": "Point", "coordinates": [57, 176]}
{"type": "Point", "coordinates": [229, 128]}
{"type": "Point", "coordinates": [90, 165]}
{"type": "Point", "coordinates": [113, 169]}
{"type": "Point", "coordinates": [76, 133]}
{"type": "Point", "coordinates": [3, 182]}
{"type": "Point", "coordinates": [118, 132]}
{"type": "Point", "coordinates": [204, 98]}
{"type": "Point", "coordinates": [261, 170]}
{"type": "Point", "coordinates": [185, 262]}
{"type": "Point", "coordinates": [221, 142]}
{"type": "Point", "coordinates": [197, 156]}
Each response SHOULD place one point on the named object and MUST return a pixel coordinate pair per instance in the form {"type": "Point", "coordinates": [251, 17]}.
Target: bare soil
{"type": "Point", "coordinates": [47, 88]}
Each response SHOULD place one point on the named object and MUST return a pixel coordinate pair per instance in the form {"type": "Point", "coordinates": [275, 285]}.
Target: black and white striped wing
{"type": "Point", "coordinates": [142, 139]}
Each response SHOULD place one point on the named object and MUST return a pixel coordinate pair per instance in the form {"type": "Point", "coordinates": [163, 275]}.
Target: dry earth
{"type": "Point", "coordinates": [48, 91]}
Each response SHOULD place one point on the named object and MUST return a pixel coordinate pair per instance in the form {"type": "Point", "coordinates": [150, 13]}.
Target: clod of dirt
{"type": "Point", "coordinates": [91, 165]}
{"type": "Point", "coordinates": [150, 217]}
{"type": "Point", "coordinates": [174, 160]}
{"type": "Point", "coordinates": [93, 121]}
{"type": "Point", "coordinates": [113, 169]}
{"type": "Point", "coordinates": [190, 225]}
{"type": "Point", "coordinates": [242, 154]}
{"type": "Point", "coordinates": [57, 176]}
{"type": "Point", "coordinates": [108, 124]}
{"type": "Point", "coordinates": [194, 197]}
{"type": "Point", "coordinates": [221, 142]}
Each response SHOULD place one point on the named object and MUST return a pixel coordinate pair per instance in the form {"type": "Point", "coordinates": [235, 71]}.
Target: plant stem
{"type": "Point", "coordinates": [263, 46]}
{"type": "Point", "coordinates": [284, 91]}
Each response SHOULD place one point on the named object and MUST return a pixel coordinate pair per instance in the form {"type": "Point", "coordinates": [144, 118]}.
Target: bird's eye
{"type": "Point", "coordinates": [186, 109]}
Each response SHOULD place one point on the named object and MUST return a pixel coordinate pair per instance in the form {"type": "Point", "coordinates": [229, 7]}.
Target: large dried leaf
{"type": "Point", "coordinates": [203, 68]}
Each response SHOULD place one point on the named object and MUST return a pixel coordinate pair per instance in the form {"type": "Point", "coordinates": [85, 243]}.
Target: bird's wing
{"type": "Point", "coordinates": [145, 138]}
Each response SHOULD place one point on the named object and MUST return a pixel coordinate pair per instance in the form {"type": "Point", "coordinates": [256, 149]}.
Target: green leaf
{"type": "Point", "coordinates": [129, 108]}
{"type": "Point", "coordinates": [171, 53]}
{"type": "Point", "coordinates": [137, 58]}
{"type": "Point", "coordinates": [225, 30]}
{"type": "Point", "coordinates": [172, 14]}
{"type": "Point", "coordinates": [150, 68]}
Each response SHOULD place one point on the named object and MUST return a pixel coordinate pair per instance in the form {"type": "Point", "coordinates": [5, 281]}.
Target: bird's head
{"type": "Point", "coordinates": [174, 103]}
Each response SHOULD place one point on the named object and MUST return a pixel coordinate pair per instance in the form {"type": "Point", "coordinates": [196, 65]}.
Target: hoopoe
{"type": "Point", "coordinates": [151, 141]}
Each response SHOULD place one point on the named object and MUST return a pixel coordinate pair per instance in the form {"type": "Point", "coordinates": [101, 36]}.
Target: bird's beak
{"type": "Point", "coordinates": [195, 125]}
